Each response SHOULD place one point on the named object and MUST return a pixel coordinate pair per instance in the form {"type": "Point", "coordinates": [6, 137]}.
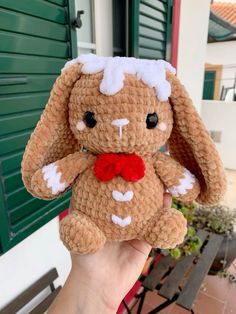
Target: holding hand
{"type": "Point", "coordinates": [98, 282]}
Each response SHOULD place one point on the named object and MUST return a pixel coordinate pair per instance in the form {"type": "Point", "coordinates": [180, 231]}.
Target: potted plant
{"type": "Point", "coordinates": [221, 220]}
{"type": "Point", "coordinates": [217, 219]}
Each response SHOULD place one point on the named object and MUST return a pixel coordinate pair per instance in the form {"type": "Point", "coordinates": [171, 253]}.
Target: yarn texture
{"type": "Point", "coordinates": [103, 140]}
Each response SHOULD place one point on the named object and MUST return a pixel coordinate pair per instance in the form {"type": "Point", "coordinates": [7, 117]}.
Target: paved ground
{"type": "Point", "coordinates": [217, 296]}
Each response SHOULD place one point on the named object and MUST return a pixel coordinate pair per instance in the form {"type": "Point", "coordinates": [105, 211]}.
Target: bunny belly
{"type": "Point", "coordinates": [119, 208]}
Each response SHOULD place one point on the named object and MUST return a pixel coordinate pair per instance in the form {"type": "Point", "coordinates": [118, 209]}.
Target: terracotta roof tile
{"type": "Point", "coordinates": [227, 11]}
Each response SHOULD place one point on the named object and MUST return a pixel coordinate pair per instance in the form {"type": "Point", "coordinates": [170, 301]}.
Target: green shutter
{"type": "Point", "coordinates": [36, 40]}
{"type": "Point", "coordinates": [209, 85]}
{"type": "Point", "coordinates": [150, 29]}
{"type": "Point", "coordinates": [119, 27]}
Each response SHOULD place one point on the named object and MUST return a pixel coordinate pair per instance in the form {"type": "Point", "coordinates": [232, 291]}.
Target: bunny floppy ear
{"type": "Point", "coordinates": [52, 138]}
{"type": "Point", "coordinates": [192, 146]}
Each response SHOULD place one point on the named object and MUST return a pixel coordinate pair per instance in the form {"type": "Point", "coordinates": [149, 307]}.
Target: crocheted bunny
{"type": "Point", "coordinates": [100, 134]}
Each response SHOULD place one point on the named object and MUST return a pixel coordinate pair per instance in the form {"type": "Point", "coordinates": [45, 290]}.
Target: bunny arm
{"type": "Point", "coordinates": [180, 182]}
{"type": "Point", "coordinates": [53, 179]}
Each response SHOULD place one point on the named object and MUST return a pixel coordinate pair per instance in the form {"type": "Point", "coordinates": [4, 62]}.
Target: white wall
{"type": "Point", "coordinates": [220, 116]}
{"type": "Point", "coordinates": [29, 260]}
{"type": "Point", "coordinates": [194, 19]}
{"type": "Point", "coordinates": [223, 53]}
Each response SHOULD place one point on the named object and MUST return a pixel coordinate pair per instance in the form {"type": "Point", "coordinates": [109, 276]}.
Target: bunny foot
{"type": "Point", "coordinates": [166, 229]}
{"type": "Point", "coordinates": [80, 235]}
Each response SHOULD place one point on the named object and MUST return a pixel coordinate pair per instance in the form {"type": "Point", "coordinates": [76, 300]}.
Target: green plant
{"type": "Point", "coordinates": [225, 273]}
{"type": "Point", "coordinates": [186, 209]}
{"type": "Point", "coordinates": [218, 219]}
{"type": "Point", "coordinates": [192, 242]}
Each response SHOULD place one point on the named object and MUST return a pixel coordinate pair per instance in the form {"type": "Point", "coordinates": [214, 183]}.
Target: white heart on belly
{"type": "Point", "coordinates": [122, 222]}
{"type": "Point", "coordinates": [120, 197]}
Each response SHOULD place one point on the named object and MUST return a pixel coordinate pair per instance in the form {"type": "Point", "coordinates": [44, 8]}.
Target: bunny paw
{"type": "Point", "coordinates": [166, 229]}
{"type": "Point", "coordinates": [80, 235]}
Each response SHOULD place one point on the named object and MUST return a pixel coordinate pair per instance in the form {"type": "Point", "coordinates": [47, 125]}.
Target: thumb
{"type": "Point", "coordinates": [167, 201]}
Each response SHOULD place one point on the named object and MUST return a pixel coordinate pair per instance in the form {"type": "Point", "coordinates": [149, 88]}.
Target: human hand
{"type": "Point", "coordinates": [98, 282]}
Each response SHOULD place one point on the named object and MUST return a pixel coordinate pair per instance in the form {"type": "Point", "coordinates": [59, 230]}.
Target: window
{"type": "Point", "coordinates": [148, 26]}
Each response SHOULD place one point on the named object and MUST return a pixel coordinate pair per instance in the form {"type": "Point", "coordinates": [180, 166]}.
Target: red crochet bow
{"type": "Point", "coordinates": [129, 166]}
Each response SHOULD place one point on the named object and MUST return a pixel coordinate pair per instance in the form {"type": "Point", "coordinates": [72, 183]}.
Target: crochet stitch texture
{"type": "Point", "coordinates": [119, 209]}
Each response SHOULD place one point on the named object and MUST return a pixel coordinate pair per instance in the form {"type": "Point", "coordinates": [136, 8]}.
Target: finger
{"type": "Point", "coordinates": [140, 246]}
{"type": "Point", "coordinates": [167, 201]}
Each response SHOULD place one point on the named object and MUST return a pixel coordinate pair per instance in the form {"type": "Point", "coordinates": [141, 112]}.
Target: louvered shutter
{"type": "Point", "coordinates": [150, 29]}
{"type": "Point", "coordinates": [36, 40]}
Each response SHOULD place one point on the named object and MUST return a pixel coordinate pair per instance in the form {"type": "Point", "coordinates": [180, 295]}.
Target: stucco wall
{"type": "Point", "coordinates": [194, 19]}
{"type": "Point", "coordinates": [220, 116]}
{"type": "Point", "coordinates": [223, 53]}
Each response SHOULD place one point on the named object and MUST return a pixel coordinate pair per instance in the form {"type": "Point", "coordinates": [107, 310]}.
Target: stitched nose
{"type": "Point", "coordinates": [120, 122]}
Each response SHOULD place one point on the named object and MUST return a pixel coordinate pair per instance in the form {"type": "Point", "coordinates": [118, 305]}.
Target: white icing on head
{"type": "Point", "coordinates": [162, 126]}
{"type": "Point", "coordinates": [151, 72]}
{"type": "Point", "coordinates": [80, 125]}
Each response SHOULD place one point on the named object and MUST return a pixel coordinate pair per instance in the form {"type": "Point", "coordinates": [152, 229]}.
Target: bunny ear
{"type": "Point", "coordinates": [52, 138]}
{"type": "Point", "coordinates": [192, 146]}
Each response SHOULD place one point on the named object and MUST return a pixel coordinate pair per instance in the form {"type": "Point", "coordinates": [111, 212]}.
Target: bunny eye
{"type": "Point", "coordinates": [151, 120]}
{"type": "Point", "coordinates": [89, 119]}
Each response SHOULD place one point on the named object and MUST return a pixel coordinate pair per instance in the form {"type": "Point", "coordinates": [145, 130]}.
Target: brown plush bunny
{"type": "Point", "coordinates": [100, 133]}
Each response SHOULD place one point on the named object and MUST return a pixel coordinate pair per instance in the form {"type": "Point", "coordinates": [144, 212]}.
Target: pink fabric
{"type": "Point", "coordinates": [175, 33]}
{"type": "Point", "coordinates": [63, 214]}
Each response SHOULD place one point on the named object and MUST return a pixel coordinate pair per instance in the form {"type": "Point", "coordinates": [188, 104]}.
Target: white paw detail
{"type": "Point", "coordinates": [120, 197]}
{"type": "Point", "coordinates": [52, 177]}
{"type": "Point", "coordinates": [122, 222]}
{"type": "Point", "coordinates": [185, 184]}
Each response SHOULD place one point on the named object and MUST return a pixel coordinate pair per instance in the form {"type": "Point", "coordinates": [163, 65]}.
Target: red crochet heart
{"type": "Point", "coordinates": [130, 166]}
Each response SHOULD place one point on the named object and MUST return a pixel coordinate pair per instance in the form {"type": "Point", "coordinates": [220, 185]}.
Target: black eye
{"type": "Point", "coordinates": [89, 119]}
{"type": "Point", "coordinates": [152, 120]}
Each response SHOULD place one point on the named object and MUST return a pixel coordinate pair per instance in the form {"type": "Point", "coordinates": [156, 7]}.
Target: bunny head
{"type": "Point", "coordinates": [124, 105]}
{"type": "Point", "coordinates": [110, 110]}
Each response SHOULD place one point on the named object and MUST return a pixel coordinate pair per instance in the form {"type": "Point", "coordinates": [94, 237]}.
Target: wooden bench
{"type": "Point", "coordinates": [26, 296]}
{"type": "Point", "coordinates": [180, 281]}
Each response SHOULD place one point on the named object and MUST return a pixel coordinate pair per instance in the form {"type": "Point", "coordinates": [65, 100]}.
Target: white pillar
{"type": "Point", "coordinates": [194, 19]}
{"type": "Point", "coordinates": [103, 27]}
